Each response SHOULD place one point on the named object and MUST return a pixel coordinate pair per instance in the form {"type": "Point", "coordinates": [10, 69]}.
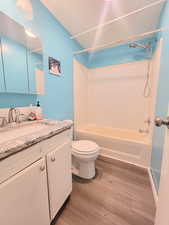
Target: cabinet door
{"type": "Point", "coordinates": [2, 79]}
{"type": "Point", "coordinates": [59, 177]}
{"type": "Point", "coordinates": [24, 197]}
{"type": "Point", "coordinates": [15, 66]}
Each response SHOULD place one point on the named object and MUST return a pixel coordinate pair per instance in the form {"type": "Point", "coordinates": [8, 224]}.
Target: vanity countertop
{"type": "Point", "coordinates": [18, 137]}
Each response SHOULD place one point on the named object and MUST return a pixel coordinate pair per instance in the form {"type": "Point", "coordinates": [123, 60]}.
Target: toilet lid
{"type": "Point", "coordinates": [85, 146]}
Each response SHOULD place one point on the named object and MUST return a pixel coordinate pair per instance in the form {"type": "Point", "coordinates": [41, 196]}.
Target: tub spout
{"type": "Point", "coordinates": [143, 131]}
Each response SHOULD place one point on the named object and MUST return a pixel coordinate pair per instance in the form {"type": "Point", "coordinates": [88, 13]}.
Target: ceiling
{"type": "Point", "coordinates": [80, 15]}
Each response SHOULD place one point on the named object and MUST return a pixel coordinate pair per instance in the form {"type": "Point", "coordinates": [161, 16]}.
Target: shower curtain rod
{"type": "Point", "coordinates": [131, 38]}
{"type": "Point", "coordinates": [117, 19]}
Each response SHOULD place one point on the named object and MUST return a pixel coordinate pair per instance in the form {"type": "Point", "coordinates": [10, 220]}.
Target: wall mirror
{"type": "Point", "coordinates": [21, 59]}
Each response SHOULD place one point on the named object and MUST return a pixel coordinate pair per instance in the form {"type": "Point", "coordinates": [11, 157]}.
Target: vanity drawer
{"type": "Point", "coordinates": [19, 161]}
{"type": "Point", "coordinates": [55, 141]}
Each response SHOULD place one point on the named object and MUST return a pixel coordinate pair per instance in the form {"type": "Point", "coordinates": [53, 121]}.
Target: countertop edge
{"type": "Point", "coordinates": [28, 144]}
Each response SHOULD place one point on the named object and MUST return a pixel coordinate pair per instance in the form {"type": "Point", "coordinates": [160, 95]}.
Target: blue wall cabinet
{"type": "Point", "coordinates": [2, 78]}
{"type": "Point", "coordinates": [21, 54]}
{"type": "Point", "coordinates": [15, 66]}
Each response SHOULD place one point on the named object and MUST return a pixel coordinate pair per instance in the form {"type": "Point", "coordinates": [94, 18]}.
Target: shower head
{"type": "Point", "coordinates": [134, 45]}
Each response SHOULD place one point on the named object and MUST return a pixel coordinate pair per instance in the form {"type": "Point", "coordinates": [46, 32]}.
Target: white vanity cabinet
{"type": "Point", "coordinates": [24, 197]}
{"type": "Point", "coordinates": [59, 176]}
{"type": "Point", "coordinates": [35, 182]}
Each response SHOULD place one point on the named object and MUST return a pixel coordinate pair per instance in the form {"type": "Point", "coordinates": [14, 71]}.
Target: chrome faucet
{"type": "Point", "coordinates": [14, 115]}
{"type": "Point", "coordinates": [11, 116]}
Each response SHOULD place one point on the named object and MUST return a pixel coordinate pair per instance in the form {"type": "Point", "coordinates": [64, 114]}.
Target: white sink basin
{"type": "Point", "coordinates": [8, 134]}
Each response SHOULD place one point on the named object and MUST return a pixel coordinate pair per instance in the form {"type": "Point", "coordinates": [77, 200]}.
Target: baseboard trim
{"type": "Point", "coordinates": [155, 195]}
{"type": "Point", "coordinates": [120, 159]}
{"type": "Point", "coordinates": [112, 160]}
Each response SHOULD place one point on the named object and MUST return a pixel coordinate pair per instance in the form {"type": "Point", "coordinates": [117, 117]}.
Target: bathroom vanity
{"type": "Point", "coordinates": [35, 172]}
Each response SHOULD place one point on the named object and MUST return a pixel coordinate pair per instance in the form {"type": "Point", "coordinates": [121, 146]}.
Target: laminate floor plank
{"type": "Point", "coordinates": [119, 195]}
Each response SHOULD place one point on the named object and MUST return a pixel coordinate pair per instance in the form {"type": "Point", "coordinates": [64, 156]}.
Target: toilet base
{"type": "Point", "coordinates": [82, 169]}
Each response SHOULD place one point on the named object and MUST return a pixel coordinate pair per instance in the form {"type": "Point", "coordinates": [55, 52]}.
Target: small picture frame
{"type": "Point", "coordinates": [54, 66]}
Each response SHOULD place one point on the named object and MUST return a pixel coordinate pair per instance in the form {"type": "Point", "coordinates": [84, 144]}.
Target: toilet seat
{"type": "Point", "coordinates": [84, 147]}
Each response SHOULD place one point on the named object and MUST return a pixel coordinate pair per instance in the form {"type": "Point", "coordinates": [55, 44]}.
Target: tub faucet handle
{"type": "Point", "coordinates": [148, 121]}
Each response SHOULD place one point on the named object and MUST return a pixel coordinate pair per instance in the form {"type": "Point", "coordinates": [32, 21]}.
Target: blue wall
{"type": "Point", "coordinates": [162, 100]}
{"type": "Point", "coordinates": [120, 54]}
{"type": "Point", "coordinates": [58, 99]}
{"type": "Point", "coordinates": [16, 100]}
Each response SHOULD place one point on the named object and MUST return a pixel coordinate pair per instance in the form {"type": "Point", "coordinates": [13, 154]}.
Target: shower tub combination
{"type": "Point", "coordinates": [115, 106]}
{"type": "Point", "coordinates": [126, 145]}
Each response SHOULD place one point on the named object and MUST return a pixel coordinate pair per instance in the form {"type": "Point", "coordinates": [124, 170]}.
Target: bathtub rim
{"type": "Point", "coordinates": [146, 142]}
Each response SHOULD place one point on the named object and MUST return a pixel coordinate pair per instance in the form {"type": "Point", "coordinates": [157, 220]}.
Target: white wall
{"type": "Point", "coordinates": [116, 96]}
{"type": "Point", "coordinates": [113, 95]}
{"type": "Point", "coordinates": [80, 93]}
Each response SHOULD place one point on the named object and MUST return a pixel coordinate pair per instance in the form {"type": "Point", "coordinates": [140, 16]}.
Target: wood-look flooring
{"type": "Point", "coordinates": [119, 195]}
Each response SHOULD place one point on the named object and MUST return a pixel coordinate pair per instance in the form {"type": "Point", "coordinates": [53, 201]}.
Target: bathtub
{"type": "Point", "coordinates": [125, 145]}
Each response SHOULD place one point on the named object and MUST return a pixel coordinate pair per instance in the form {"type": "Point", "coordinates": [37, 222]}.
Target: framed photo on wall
{"type": "Point", "coordinates": [54, 66]}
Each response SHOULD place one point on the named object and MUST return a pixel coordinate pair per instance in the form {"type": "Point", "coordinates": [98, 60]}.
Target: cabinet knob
{"type": "Point", "coordinates": [42, 167]}
{"type": "Point", "coordinates": [53, 158]}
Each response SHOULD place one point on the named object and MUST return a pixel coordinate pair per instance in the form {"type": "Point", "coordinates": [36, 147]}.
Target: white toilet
{"type": "Point", "coordinates": [84, 154]}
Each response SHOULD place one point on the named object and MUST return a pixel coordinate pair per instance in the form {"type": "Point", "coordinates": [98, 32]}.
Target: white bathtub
{"type": "Point", "coordinates": [130, 146]}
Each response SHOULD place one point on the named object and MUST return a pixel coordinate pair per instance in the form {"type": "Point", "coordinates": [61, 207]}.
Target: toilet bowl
{"type": "Point", "coordinates": [84, 154]}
